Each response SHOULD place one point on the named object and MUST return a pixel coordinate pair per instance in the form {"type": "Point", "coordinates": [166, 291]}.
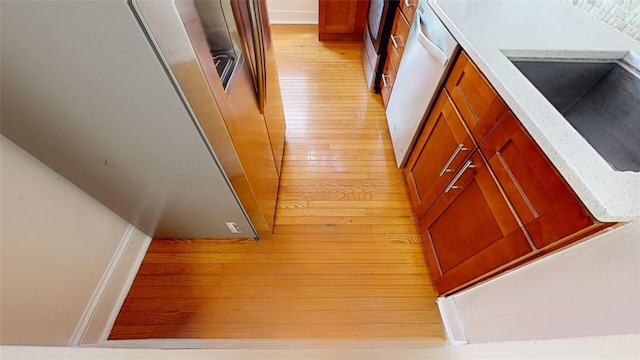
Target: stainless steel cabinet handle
{"type": "Point", "coordinates": [408, 4]}
{"type": "Point", "coordinates": [395, 43]}
{"type": "Point", "coordinates": [452, 183]}
{"type": "Point", "coordinates": [384, 81]}
{"type": "Point", "coordinates": [453, 156]}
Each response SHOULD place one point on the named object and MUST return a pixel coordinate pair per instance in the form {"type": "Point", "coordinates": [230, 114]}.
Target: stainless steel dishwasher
{"type": "Point", "coordinates": [429, 50]}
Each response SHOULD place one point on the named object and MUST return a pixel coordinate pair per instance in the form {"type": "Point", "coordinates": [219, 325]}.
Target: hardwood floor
{"type": "Point", "coordinates": [345, 260]}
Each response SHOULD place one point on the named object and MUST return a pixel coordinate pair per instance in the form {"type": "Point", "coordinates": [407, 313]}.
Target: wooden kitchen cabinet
{"type": "Point", "coordinates": [408, 8]}
{"type": "Point", "coordinates": [342, 19]}
{"type": "Point", "coordinates": [443, 146]}
{"type": "Point", "coordinates": [487, 197]}
{"type": "Point", "coordinates": [478, 104]}
{"type": "Point", "coordinates": [395, 49]}
{"type": "Point", "coordinates": [548, 208]}
{"type": "Point", "coordinates": [386, 81]}
{"type": "Point", "coordinates": [397, 39]}
{"type": "Point", "coordinates": [468, 226]}
{"type": "Point", "coordinates": [470, 230]}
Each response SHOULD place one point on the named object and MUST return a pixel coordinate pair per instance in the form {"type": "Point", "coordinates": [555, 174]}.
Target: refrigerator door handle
{"type": "Point", "coordinates": [257, 29]}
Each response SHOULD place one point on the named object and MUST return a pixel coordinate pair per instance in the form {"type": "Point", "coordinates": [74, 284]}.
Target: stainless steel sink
{"type": "Point", "coordinates": [599, 98]}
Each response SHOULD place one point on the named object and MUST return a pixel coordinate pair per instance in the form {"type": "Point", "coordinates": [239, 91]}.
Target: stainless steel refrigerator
{"type": "Point", "coordinates": [133, 102]}
{"type": "Point", "coordinates": [224, 47]}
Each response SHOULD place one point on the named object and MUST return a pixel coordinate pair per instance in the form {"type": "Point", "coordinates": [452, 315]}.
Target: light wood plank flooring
{"type": "Point", "coordinates": [345, 261]}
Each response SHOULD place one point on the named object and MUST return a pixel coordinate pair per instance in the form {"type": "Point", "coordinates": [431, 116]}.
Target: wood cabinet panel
{"type": "Point", "coordinates": [386, 81]}
{"type": "Point", "coordinates": [496, 209]}
{"type": "Point", "coordinates": [408, 8]}
{"type": "Point", "coordinates": [392, 58]}
{"type": "Point", "coordinates": [342, 19]}
{"type": "Point", "coordinates": [361, 18]}
{"type": "Point", "coordinates": [547, 206]}
{"type": "Point", "coordinates": [395, 49]}
{"type": "Point", "coordinates": [471, 229]}
{"type": "Point", "coordinates": [479, 105]}
{"type": "Point", "coordinates": [440, 151]}
{"type": "Point", "coordinates": [338, 16]}
{"type": "Point", "coordinates": [398, 38]}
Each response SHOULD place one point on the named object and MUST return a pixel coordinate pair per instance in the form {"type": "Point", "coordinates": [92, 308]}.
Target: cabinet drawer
{"type": "Point", "coordinates": [470, 231]}
{"type": "Point", "coordinates": [479, 105]}
{"type": "Point", "coordinates": [392, 56]}
{"type": "Point", "coordinates": [443, 146]}
{"type": "Point", "coordinates": [408, 8]}
{"type": "Point", "coordinates": [386, 81]}
{"type": "Point", "coordinates": [548, 208]}
{"type": "Point", "coordinates": [398, 39]}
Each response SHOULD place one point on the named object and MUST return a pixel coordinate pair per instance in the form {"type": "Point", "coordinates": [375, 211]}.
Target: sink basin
{"type": "Point", "coordinates": [599, 98]}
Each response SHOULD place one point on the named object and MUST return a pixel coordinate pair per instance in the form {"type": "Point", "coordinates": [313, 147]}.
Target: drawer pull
{"type": "Point", "coordinates": [384, 81]}
{"type": "Point", "coordinates": [396, 44]}
{"type": "Point", "coordinates": [453, 156]}
{"type": "Point", "coordinates": [452, 183]}
{"type": "Point", "coordinates": [408, 4]}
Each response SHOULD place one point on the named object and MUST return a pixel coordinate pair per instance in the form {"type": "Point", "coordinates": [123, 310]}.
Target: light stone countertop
{"type": "Point", "coordinates": [487, 30]}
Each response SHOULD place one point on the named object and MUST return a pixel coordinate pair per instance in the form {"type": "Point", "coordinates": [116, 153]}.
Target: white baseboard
{"type": "Point", "coordinates": [270, 344]}
{"type": "Point", "coordinates": [453, 327]}
{"type": "Point", "coordinates": [293, 17]}
{"type": "Point", "coordinates": [100, 313]}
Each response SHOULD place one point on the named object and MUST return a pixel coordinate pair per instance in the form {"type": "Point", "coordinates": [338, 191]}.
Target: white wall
{"type": "Point", "coordinates": [590, 289]}
{"type": "Point", "coordinates": [56, 243]}
{"type": "Point", "coordinates": [293, 11]}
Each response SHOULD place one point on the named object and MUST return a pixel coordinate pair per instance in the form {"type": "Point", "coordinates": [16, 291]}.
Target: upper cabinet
{"type": "Point", "coordinates": [342, 19]}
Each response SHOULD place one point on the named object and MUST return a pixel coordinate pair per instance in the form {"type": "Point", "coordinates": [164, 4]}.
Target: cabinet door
{"type": "Point", "coordinates": [477, 101]}
{"type": "Point", "coordinates": [361, 18]}
{"type": "Point", "coordinates": [443, 146]}
{"type": "Point", "coordinates": [342, 19]}
{"type": "Point", "coordinates": [471, 231]}
{"type": "Point", "coordinates": [337, 16]}
{"type": "Point", "coordinates": [386, 81]}
{"type": "Point", "coordinates": [547, 206]}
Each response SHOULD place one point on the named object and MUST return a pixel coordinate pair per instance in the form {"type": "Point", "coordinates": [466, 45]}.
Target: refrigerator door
{"type": "Point", "coordinates": [253, 20]}
{"type": "Point", "coordinates": [252, 132]}
{"type": "Point", "coordinates": [273, 110]}
{"type": "Point", "coordinates": [103, 110]}
{"type": "Point", "coordinates": [246, 23]}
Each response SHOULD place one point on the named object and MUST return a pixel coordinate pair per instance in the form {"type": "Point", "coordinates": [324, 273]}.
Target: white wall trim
{"type": "Point", "coordinates": [266, 343]}
{"type": "Point", "coordinates": [124, 291]}
{"type": "Point", "coordinates": [119, 262]}
{"type": "Point", "coordinates": [293, 17]}
{"type": "Point", "coordinates": [604, 347]}
{"type": "Point", "coordinates": [453, 326]}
